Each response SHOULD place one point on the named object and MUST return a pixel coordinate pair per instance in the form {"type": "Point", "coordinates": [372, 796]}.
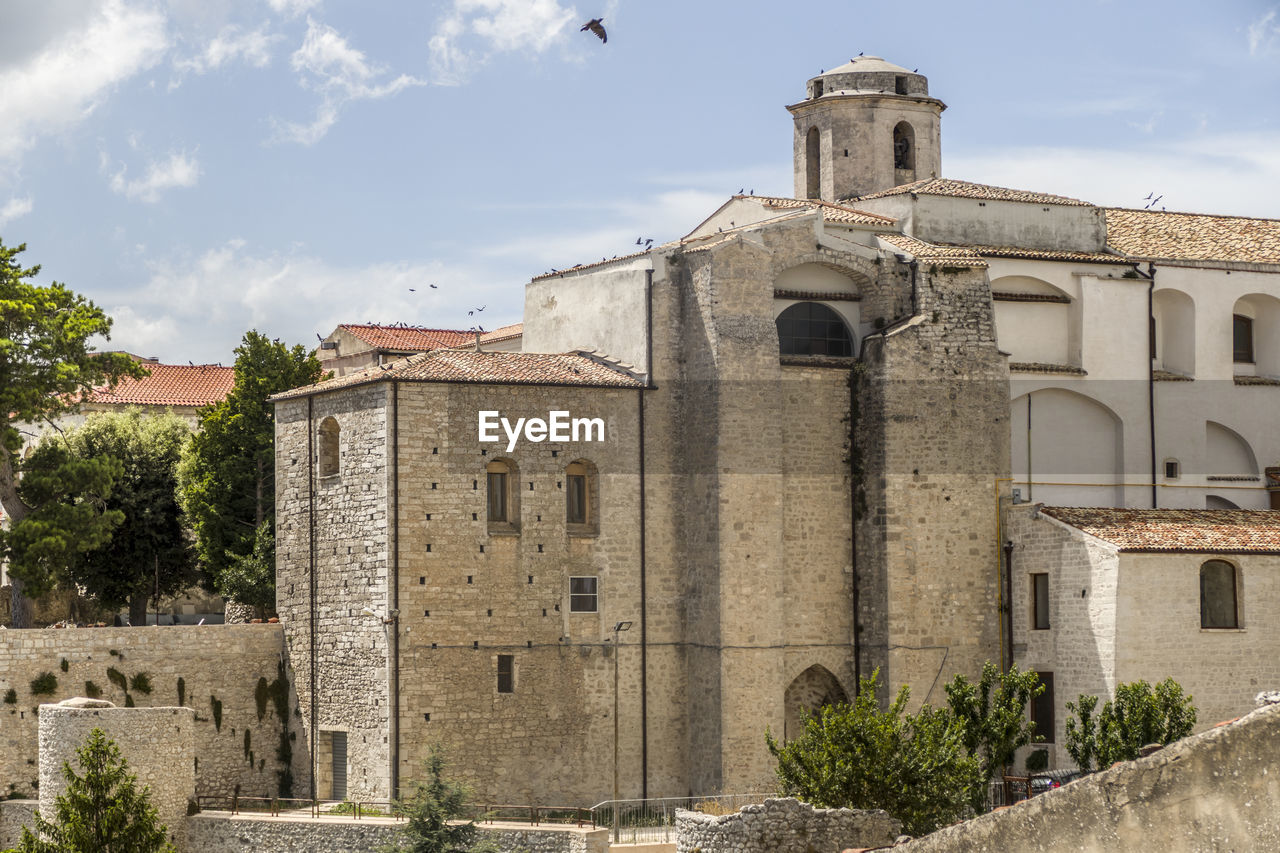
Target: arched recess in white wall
{"type": "Point", "coordinates": [1262, 313]}
{"type": "Point", "coordinates": [1067, 449]}
{"type": "Point", "coordinates": [812, 282]}
{"type": "Point", "coordinates": [1218, 502]}
{"type": "Point", "coordinates": [1175, 316]}
{"type": "Point", "coordinates": [1226, 453]}
{"type": "Point", "coordinates": [1034, 321]}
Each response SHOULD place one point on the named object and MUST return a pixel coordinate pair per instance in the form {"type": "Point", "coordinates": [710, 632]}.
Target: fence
{"type": "Point", "coordinates": [276, 806]}
{"type": "Point", "coordinates": [654, 820]}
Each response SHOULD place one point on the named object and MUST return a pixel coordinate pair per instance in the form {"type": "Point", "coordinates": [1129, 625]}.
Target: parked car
{"type": "Point", "coordinates": [1047, 780]}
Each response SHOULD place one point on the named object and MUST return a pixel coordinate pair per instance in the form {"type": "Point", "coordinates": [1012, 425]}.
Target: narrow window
{"type": "Point", "coordinates": [1172, 469]}
{"type": "Point", "coordinates": [900, 84]}
{"type": "Point", "coordinates": [1242, 339]}
{"type": "Point", "coordinates": [497, 496]}
{"type": "Point", "coordinates": [506, 674]}
{"type": "Point", "coordinates": [1040, 601]}
{"type": "Point", "coordinates": [1042, 710]}
{"type": "Point", "coordinates": [1218, 604]}
{"type": "Point", "coordinates": [328, 450]}
{"type": "Point", "coordinates": [904, 148]}
{"type": "Point", "coordinates": [813, 164]}
{"type": "Point", "coordinates": [576, 494]}
{"type": "Point", "coordinates": [501, 500]}
{"type": "Point", "coordinates": [583, 595]}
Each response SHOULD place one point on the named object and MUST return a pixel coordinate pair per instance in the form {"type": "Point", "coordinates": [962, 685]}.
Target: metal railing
{"type": "Point", "coordinates": [529, 814]}
{"type": "Point", "coordinates": [292, 807]}
{"type": "Point", "coordinates": [654, 820]}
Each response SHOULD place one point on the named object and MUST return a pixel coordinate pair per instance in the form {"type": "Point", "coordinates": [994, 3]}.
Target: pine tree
{"type": "Point", "coordinates": [101, 811]}
{"type": "Point", "coordinates": [433, 817]}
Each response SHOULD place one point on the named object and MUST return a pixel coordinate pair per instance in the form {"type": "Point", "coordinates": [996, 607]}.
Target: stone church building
{"type": "Point", "coordinates": [756, 463]}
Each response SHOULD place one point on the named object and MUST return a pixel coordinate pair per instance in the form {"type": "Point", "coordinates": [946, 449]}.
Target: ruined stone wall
{"type": "Point", "coordinates": [784, 825]}
{"type": "Point", "coordinates": [340, 521]}
{"type": "Point", "coordinates": [157, 743]}
{"type": "Point", "coordinates": [230, 675]}
{"type": "Point", "coordinates": [933, 417]}
{"type": "Point", "coordinates": [1219, 790]}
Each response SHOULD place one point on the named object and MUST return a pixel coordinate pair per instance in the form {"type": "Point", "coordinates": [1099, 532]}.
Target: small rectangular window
{"type": "Point", "coordinates": [577, 499]}
{"type": "Point", "coordinates": [1242, 339]}
{"type": "Point", "coordinates": [506, 674]}
{"type": "Point", "coordinates": [1042, 710]}
{"type": "Point", "coordinates": [1040, 602]}
{"type": "Point", "coordinates": [1171, 469]}
{"type": "Point", "coordinates": [583, 595]}
{"type": "Point", "coordinates": [900, 84]}
{"type": "Point", "coordinates": [497, 496]}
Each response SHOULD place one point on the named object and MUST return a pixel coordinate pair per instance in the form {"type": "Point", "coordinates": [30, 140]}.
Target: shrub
{"type": "Point", "coordinates": [915, 767]}
{"type": "Point", "coordinates": [11, 697]}
{"type": "Point", "coordinates": [93, 691]}
{"type": "Point", "coordinates": [993, 713]}
{"type": "Point", "coordinates": [433, 816]}
{"type": "Point", "coordinates": [141, 683]}
{"type": "Point", "coordinates": [1139, 715]}
{"type": "Point", "coordinates": [44, 684]}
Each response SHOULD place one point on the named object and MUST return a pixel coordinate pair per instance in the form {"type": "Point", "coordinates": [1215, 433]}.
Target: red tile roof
{"type": "Point", "coordinates": [1200, 531]}
{"type": "Point", "coordinates": [965, 189]}
{"type": "Point", "coordinates": [591, 370]}
{"type": "Point", "coordinates": [1193, 236]}
{"type": "Point", "coordinates": [170, 385]}
{"type": "Point", "coordinates": [830, 212]}
{"type": "Point", "coordinates": [503, 333]}
{"type": "Point", "coordinates": [408, 338]}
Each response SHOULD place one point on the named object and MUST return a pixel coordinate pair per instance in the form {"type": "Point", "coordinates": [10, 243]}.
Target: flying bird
{"type": "Point", "coordinates": [413, 290]}
{"type": "Point", "coordinates": [432, 286]}
{"type": "Point", "coordinates": [594, 25]}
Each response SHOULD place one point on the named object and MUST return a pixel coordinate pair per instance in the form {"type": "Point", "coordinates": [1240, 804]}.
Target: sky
{"type": "Point", "coordinates": [198, 168]}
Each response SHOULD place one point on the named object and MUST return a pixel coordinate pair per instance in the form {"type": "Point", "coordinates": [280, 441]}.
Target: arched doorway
{"type": "Point", "coordinates": [812, 690]}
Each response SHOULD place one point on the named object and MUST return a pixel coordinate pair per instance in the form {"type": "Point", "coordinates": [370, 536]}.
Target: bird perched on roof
{"type": "Point", "coordinates": [594, 25]}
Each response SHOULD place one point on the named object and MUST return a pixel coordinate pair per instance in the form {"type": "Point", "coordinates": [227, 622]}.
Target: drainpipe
{"type": "Point", "coordinates": [1151, 379]}
{"type": "Point", "coordinates": [853, 538]}
{"type": "Point", "coordinates": [1007, 616]}
{"type": "Point", "coordinates": [644, 622]}
{"type": "Point", "coordinates": [393, 652]}
{"type": "Point", "coordinates": [311, 546]}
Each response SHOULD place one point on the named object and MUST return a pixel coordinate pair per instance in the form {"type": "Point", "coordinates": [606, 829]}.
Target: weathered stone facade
{"type": "Point", "coordinates": [784, 825]}
{"type": "Point", "coordinates": [230, 675]}
{"type": "Point", "coordinates": [157, 743]}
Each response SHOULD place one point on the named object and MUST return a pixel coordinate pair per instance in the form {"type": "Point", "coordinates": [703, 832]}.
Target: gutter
{"type": "Point", "coordinates": [393, 653]}
{"type": "Point", "coordinates": [644, 622]}
{"type": "Point", "coordinates": [311, 623]}
{"type": "Point", "coordinates": [1151, 378]}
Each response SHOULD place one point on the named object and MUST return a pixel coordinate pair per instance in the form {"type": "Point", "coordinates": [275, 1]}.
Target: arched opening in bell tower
{"type": "Point", "coordinates": [904, 153]}
{"type": "Point", "coordinates": [813, 165]}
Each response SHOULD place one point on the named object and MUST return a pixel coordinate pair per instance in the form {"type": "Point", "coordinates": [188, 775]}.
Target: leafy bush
{"type": "Point", "coordinates": [141, 683]}
{"type": "Point", "coordinates": [44, 684]}
{"type": "Point", "coordinates": [1139, 715]}
{"type": "Point", "coordinates": [993, 713]}
{"type": "Point", "coordinates": [11, 697]}
{"type": "Point", "coordinates": [915, 767]}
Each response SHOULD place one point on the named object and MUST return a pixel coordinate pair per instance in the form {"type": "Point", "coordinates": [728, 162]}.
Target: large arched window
{"type": "Point", "coordinates": [811, 328]}
{"type": "Point", "coordinates": [1218, 604]}
{"type": "Point", "coordinates": [328, 450]}
{"type": "Point", "coordinates": [904, 147]}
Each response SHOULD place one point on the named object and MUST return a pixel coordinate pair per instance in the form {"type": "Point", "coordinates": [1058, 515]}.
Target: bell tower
{"type": "Point", "coordinates": [864, 127]}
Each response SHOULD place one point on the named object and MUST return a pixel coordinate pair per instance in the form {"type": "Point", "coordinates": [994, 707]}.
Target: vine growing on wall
{"type": "Point", "coordinates": [216, 705]}
{"type": "Point", "coordinates": [853, 452]}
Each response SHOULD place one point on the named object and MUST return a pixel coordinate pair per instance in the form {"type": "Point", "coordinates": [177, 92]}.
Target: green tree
{"type": "Point", "coordinates": [102, 811]}
{"type": "Point", "coordinates": [46, 365]}
{"type": "Point", "coordinates": [915, 767]}
{"type": "Point", "coordinates": [148, 555]}
{"type": "Point", "coordinates": [227, 477]}
{"type": "Point", "coordinates": [435, 816]}
{"type": "Point", "coordinates": [993, 713]}
{"type": "Point", "coordinates": [1138, 715]}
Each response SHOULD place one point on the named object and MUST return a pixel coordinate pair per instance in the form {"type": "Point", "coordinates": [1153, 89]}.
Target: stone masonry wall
{"type": "Point", "coordinates": [217, 833]}
{"type": "Point", "coordinates": [348, 532]}
{"type": "Point", "coordinates": [784, 825]}
{"type": "Point", "coordinates": [157, 743]}
{"type": "Point", "coordinates": [14, 815]}
{"type": "Point", "coordinates": [220, 671]}
{"type": "Point", "coordinates": [1219, 790]}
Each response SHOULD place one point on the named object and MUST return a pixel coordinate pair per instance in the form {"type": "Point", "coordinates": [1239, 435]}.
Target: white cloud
{"type": "Point", "coordinates": [339, 73]}
{"type": "Point", "coordinates": [253, 47]}
{"type": "Point", "coordinates": [292, 8]}
{"type": "Point", "coordinates": [15, 208]}
{"type": "Point", "coordinates": [494, 26]}
{"type": "Point", "coordinates": [1264, 33]}
{"type": "Point", "coordinates": [55, 87]}
{"type": "Point", "coordinates": [177, 170]}
{"type": "Point", "coordinates": [1237, 174]}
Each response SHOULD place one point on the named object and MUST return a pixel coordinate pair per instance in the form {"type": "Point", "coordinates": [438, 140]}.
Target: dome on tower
{"type": "Point", "coordinates": [868, 75]}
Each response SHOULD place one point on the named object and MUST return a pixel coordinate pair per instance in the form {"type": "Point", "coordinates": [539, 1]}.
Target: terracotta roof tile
{"type": "Point", "coordinates": [1193, 236]}
{"type": "Point", "coordinates": [934, 253]}
{"type": "Point", "coordinates": [965, 189]}
{"type": "Point", "coordinates": [170, 385]}
{"type": "Point", "coordinates": [592, 370]}
{"type": "Point", "coordinates": [1049, 255]}
{"type": "Point", "coordinates": [503, 333]}
{"type": "Point", "coordinates": [1193, 530]}
{"type": "Point", "coordinates": [407, 338]}
{"type": "Point", "coordinates": [830, 212]}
